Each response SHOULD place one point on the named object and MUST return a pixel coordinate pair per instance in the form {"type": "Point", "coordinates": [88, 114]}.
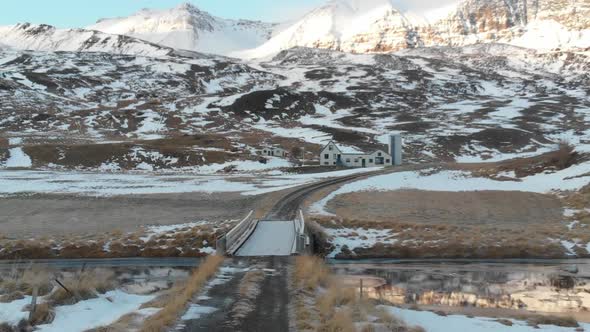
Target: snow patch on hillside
{"type": "Point", "coordinates": [18, 158]}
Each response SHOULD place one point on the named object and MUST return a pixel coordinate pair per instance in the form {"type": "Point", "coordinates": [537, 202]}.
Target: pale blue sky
{"type": "Point", "coordinates": [80, 13]}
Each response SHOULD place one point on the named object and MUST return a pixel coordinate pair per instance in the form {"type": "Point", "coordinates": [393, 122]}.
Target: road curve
{"type": "Point", "coordinates": [288, 206]}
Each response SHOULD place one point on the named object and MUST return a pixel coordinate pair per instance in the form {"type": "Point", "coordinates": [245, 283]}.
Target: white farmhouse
{"type": "Point", "coordinates": [332, 155]}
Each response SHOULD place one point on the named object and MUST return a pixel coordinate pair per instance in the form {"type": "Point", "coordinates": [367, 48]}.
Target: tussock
{"type": "Point", "coordinates": [311, 272]}
{"type": "Point", "coordinates": [44, 314]}
{"type": "Point", "coordinates": [85, 286]}
{"type": "Point", "coordinates": [7, 298]}
{"type": "Point", "coordinates": [177, 304]}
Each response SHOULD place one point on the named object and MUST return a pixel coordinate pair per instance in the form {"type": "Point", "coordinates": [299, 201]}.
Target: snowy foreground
{"type": "Point", "coordinates": [432, 322]}
{"type": "Point", "coordinates": [83, 315]}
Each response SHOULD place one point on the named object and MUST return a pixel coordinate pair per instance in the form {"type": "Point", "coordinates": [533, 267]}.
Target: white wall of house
{"type": "Point", "coordinates": [330, 155]}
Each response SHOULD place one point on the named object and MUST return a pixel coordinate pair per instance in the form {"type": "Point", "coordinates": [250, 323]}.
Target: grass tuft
{"type": "Point", "coordinates": [176, 305]}
{"type": "Point", "coordinates": [44, 314]}
{"type": "Point", "coordinates": [311, 272]}
{"type": "Point", "coordinates": [85, 286]}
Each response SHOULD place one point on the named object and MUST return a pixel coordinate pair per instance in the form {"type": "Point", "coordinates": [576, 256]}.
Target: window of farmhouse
{"type": "Point", "coordinates": [326, 156]}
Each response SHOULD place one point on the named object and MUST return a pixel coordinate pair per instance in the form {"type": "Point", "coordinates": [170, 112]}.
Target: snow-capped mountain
{"type": "Point", "coordinates": [48, 38]}
{"type": "Point", "coordinates": [187, 27]}
{"type": "Point", "coordinates": [377, 26]}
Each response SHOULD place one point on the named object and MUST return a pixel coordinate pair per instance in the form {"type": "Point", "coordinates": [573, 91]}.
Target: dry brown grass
{"type": "Point", "coordinates": [340, 321]}
{"type": "Point", "coordinates": [25, 281]}
{"type": "Point", "coordinates": [7, 298]}
{"type": "Point", "coordinates": [184, 243]}
{"type": "Point", "coordinates": [177, 304]}
{"type": "Point", "coordinates": [44, 314]}
{"type": "Point", "coordinates": [311, 272]}
{"type": "Point", "coordinates": [416, 240]}
{"type": "Point", "coordinates": [84, 286]}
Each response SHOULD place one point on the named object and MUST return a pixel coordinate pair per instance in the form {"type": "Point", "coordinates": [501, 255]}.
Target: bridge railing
{"type": "Point", "coordinates": [301, 240]}
{"type": "Point", "coordinates": [233, 240]}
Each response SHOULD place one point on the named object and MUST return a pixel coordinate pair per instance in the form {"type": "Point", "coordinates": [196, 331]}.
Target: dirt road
{"type": "Point", "coordinates": [244, 303]}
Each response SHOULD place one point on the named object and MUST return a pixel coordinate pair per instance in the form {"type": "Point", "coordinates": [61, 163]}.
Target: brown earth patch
{"type": "Point", "coordinates": [484, 224]}
{"type": "Point", "coordinates": [497, 208]}
{"type": "Point", "coordinates": [183, 148]}
{"type": "Point", "coordinates": [48, 215]}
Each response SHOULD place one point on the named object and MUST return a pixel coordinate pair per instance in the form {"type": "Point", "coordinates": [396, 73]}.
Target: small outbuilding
{"type": "Point", "coordinates": [273, 151]}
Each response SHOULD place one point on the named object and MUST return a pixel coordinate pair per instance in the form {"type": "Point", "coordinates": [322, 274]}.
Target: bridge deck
{"type": "Point", "coordinates": [271, 238]}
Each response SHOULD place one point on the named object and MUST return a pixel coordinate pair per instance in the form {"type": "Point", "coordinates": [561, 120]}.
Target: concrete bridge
{"type": "Point", "coordinates": [260, 238]}
{"type": "Point", "coordinates": [282, 232]}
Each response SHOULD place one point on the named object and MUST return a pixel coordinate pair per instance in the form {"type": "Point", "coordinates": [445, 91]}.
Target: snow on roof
{"type": "Point", "coordinates": [349, 149]}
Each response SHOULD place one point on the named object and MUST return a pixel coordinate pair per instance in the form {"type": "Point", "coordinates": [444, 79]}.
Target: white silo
{"type": "Point", "coordinates": [395, 149]}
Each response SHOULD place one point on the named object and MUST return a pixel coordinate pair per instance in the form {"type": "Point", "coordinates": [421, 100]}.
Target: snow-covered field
{"type": "Point", "coordinates": [104, 310]}
{"type": "Point", "coordinates": [112, 184]}
{"type": "Point", "coordinates": [82, 316]}
{"type": "Point", "coordinates": [358, 238]}
{"type": "Point", "coordinates": [432, 322]}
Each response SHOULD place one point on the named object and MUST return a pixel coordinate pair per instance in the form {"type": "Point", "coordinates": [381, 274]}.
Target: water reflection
{"type": "Point", "coordinates": [543, 288]}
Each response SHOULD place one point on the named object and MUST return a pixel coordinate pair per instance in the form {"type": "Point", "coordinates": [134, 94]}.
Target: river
{"type": "Point", "coordinates": [556, 287]}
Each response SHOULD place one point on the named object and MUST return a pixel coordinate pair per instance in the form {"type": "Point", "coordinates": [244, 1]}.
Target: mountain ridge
{"type": "Point", "coordinates": [190, 28]}
{"type": "Point", "coordinates": [539, 24]}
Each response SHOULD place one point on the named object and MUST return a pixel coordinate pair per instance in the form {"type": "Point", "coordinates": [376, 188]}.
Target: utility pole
{"type": "Point", "coordinates": [303, 156]}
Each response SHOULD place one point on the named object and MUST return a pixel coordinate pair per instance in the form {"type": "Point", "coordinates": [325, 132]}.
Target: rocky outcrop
{"type": "Point", "coordinates": [541, 24]}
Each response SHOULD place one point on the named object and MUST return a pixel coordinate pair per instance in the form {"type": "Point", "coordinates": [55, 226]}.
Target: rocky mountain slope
{"type": "Point", "coordinates": [181, 111]}
{"type": "Point", "coordinates": [187, 27]}
{"type": "Point", "coordinates": [41, 37]}
{"type": "Point", "coordinates": [378, 26]}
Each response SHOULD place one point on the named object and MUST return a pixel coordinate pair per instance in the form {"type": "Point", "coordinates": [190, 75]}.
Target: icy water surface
{"type": "Point", "coordinates": [542, 286]}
